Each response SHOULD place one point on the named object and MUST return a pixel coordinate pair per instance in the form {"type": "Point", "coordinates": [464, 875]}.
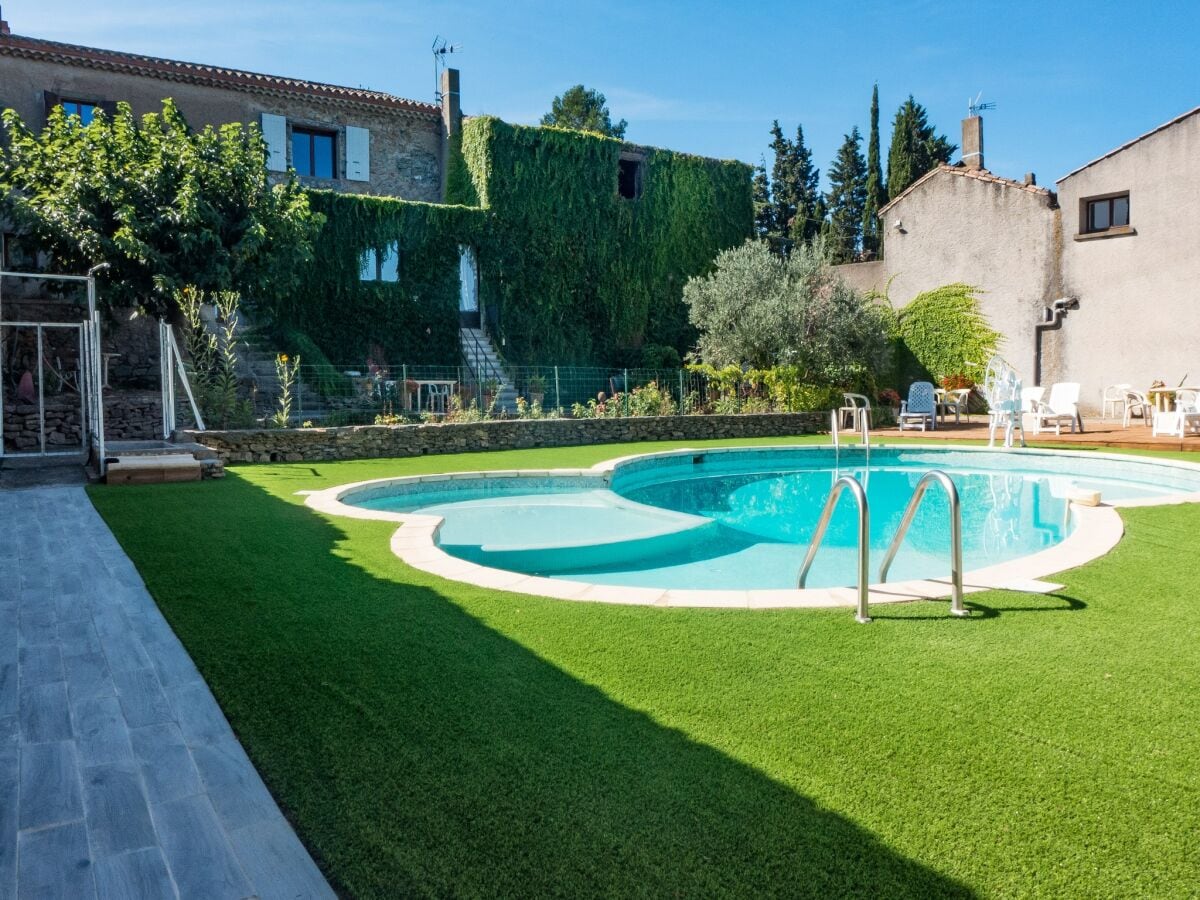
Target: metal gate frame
{"type": "Point", "coordinates": [91, 386]}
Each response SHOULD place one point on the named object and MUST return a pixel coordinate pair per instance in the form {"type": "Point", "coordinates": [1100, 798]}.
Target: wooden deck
{"type": "Point", "coordinates": [1096, 433]}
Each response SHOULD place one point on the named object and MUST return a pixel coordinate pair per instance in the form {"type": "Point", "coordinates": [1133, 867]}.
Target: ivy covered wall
{"type": "Point", "coordinates": [413, 319]}
{"type": "Point", "coordinates": [572, 273]}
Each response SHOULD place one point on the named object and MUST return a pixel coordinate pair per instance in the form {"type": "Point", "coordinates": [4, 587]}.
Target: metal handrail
{"type": "Point", "coordinates": [478, 361]}
{"type": "Point", "coordinates": [864, 539]}
{"type": "Point", "coordinates": [835, 423]}
{"type": "Point", "coordinates": [956, 575]}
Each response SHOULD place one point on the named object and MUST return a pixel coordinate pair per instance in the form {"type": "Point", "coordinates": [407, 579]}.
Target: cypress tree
{"type": "Point", "coordinates": [876, 197]}
{"type": "Point", "coordinates": [916, 147]}
{"type": "Point", "coordinates": [810, 205]}
{"type": "Point", "coordinates": [847, 199]}
{"type": "Point", "coordinates": [764, 212]}
{"type": "Point", "coordinates": [783, 193]}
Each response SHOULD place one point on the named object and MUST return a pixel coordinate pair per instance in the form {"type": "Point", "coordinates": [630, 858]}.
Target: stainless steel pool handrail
{"type": "Point", "coordinates": [835, 422]}
{"type": "Point", "coordinates": [864, 539]}
{"type": "Point", "coordinates": [956, 574]}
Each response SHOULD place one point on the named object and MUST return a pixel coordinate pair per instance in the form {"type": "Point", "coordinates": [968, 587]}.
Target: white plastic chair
{"type": "Point", "coordinates": [1063, 405]}
{"type": "Point", "coordinates": [920, 408]}
{"type": "Point", "coordinates": [857, 406]}
{"type": "Point", "coordinates": [1185, 416]}
{"type": "Point", "coordinates": [1136, 401]}
{"type": "Point", "coordinates": [957, 401]}
{"type": "Point", "coordinates": [1113, 396]}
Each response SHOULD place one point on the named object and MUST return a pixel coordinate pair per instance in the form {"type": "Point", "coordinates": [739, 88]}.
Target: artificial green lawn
{"type": "Point", "coordinates": [428, 737]}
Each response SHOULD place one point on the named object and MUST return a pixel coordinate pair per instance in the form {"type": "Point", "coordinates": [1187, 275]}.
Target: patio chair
{"type": "Point", "coordinates": [857, 406]}
{"type": "Point", "coordinates": [920, 408]}
{"type": "Point", "coordinates": [957, 401]}
{"type": "Point", "coordinates": [1063, 406]}
{"type": "Point", "coordinates": [1185, 416]}
{"type": "Point", "coordinates": [1113, 396]}
{"type": "Point", "coordinates": [1136, 402]}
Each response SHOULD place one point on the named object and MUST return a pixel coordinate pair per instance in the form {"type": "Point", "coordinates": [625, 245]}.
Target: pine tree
{"type": "Point", "coordinates": [584, 109]}
{"type": "Point", "coordinates": [795, 208]}
{"type": "Point", "coordinates": [783, 192]}
{"type": "Point", "coordinates": [847, 199]}
{"type": "Point", "coordinates": [764, 212]}
{"type": "Point", "coordinates": [916, 147]}
{"type": "Point", "coordinates": [876, 197]}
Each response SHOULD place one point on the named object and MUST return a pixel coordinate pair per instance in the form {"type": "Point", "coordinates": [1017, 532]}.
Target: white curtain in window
{"type": "Point", "coordinates": [468, 280]}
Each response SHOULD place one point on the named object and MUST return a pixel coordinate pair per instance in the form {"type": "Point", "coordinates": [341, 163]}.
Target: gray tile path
{"type": "Point", "coordinates": [119, 776]}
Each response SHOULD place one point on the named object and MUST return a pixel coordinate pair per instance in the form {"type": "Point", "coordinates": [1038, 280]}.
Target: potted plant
{"type": "Point", "coordinates": [890, 398]}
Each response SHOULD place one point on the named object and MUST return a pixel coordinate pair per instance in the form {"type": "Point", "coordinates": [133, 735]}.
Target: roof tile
{"type": "Point", "coordinates": [199, 73]}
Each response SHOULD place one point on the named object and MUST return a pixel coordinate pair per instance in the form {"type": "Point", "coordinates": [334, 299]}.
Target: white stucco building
{"type": "Point", "coordinates": [1113, 238]}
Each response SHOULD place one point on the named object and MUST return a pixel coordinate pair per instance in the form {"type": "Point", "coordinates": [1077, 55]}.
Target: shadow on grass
{"type": "Point", "coordinates": [419, 751]}
{"type": "Point", "coordinates": [981, 611]}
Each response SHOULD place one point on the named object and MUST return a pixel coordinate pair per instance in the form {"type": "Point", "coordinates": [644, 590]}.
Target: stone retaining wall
{"type": "Point", "coordinates": [378, 441]}
{"type": "Point", "coordinates": [128, 416]}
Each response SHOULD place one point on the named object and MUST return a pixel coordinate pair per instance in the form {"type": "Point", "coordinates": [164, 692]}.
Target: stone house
{"type": "Point", "coordinates": [1092, 283]}
{"type": "Point", "coordinates": [340, 138]}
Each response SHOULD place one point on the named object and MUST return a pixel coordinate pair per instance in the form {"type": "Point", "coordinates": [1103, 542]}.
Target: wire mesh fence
{"type": "Point", "coordinates": [335, 395]}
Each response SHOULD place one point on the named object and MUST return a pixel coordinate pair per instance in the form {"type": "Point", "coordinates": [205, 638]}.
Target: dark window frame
{"type": "Point", "coordinates": [1108, 201]}
{"type": "Point", "coordinates": [312, 133]}
{"type": "Point", "coordinates": [631, 169]}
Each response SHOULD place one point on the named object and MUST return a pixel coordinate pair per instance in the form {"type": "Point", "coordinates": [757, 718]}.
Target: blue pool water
{"type": "Point", "coordinates": [743, 520]}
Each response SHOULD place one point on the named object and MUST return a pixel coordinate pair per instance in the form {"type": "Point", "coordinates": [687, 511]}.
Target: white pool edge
{"type": "Point", "coordinates": [1098, 529]}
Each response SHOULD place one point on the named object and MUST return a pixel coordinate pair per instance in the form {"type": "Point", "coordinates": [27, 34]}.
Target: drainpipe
{"type": "Point", "coordinates": [1052, 319]}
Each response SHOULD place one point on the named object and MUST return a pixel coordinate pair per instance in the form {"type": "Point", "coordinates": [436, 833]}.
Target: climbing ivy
{"type": "Point", "coordinates": [570, 271]}
{"type": "Point", "coordinates": [942, 333]}
{"type": "Point", "coordinates": [411, 320]}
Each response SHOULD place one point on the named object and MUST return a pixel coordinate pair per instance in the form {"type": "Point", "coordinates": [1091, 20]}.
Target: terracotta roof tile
{"type": "Point", "coordinates": [198, 73]}
{"type": "Point", "coordinates": [963, 172]}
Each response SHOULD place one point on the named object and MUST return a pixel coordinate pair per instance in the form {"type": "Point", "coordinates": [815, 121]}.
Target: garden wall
{"type": "Point", "coordinates": [380, 441]}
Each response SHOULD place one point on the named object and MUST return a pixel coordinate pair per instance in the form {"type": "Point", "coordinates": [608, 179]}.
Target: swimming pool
{"type": "Point", "coordinates": [703, 525]}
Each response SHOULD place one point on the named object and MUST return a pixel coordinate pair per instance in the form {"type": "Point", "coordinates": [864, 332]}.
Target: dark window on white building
{"type": "Point", "coordinates": [1105, 213]}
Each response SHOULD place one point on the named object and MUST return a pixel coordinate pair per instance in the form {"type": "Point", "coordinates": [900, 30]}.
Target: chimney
{"type": "Point", "coordinates": [451, 119]}
{"type": "Point", "coordinates": [4, 29]}
{"type": "Point", "coordinates": [972, 142]}
{"type": "Point", "coordinates": [1030, 179]}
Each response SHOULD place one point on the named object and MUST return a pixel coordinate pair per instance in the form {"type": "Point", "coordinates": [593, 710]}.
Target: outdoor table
{"type": "Point", "coordinates": [1164, 397]}
{"type": "Point", "coordinates": [438, 389]}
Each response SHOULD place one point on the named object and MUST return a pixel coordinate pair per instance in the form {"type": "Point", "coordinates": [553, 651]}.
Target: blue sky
{"type": "Point", "coordinates": [1071, 79]}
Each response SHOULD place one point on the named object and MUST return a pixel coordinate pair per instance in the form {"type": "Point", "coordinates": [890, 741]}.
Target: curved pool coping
{"type": "Point", "coordinates": [1098, 529]}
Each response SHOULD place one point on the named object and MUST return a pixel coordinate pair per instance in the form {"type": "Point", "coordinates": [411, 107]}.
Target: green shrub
{"type": "Point", "coordinates": [757, 310]}
{"type": "Point", "coordinates": [943, 333]}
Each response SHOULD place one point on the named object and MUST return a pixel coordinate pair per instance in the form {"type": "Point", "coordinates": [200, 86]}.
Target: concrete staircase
{"type": "Point", "coordinates": [484, 362]}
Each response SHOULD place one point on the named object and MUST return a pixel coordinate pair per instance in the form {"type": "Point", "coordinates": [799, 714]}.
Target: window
{"type": "Point", "coordinates": [15, 256]}
{"type": "Point", "coordinates": [313, 153]}
{"type": "Point", "coordinates": [85, 111]}
{"type": "Point", "coordinates": [1106, 213]}
{"type": "Point", "coordinates": [629, 175]}
{"type": "Point", "coordinates": [381, 264]}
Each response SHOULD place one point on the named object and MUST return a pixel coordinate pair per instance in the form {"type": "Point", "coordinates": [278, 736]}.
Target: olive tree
{"type": "Point", "coordinates": [757, 310]}
{"type": "Point", "coordinates": [165, 206]}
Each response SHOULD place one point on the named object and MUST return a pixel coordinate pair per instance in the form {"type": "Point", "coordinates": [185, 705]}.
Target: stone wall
{"type": "Point", "coordinates": [405, 149]}
{"type": "Point", "coordinates": [381, 441]}
{"type": "Point", "coordinates": [128, 416]}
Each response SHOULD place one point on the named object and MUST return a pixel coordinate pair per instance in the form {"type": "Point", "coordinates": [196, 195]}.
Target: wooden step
{"type": "Point", "coordinates": [153, 469]}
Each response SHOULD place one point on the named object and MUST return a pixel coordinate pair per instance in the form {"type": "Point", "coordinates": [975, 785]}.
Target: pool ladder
{"type": "Point", "coordinates": [846, 483]}
{"type": "Point", "coordinates": [864, 429]}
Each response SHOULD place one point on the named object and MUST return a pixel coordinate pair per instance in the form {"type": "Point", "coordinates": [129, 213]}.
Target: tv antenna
{"type": "Point", "coordinates": [975, 107]}
{"type": "Point", "coordinates": [441, 49]}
